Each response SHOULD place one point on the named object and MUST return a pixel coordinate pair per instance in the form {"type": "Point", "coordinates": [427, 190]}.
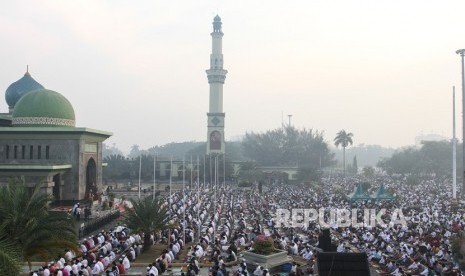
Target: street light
{"type": "Point", "coordinates": [461, 52]}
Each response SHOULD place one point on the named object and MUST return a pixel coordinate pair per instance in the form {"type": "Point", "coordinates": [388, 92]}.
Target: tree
{"type": "Point", "coordinates": [434, 158]}
{"type": "Point", "coordinates": [354, 165]}
{"type": "Point", "coordinates": [367, 155]}
{"type": "Point", "coordinates": [147, 216]}
{"type": "Point", "coordinates": [405, 161]}
{"type": "Point", "coordinates": [368, 171]}
{"type": "Point", "coordinates": [110, 150]}
{"type": "Point", "coordinates": [146, 166]}
{"type": "Point", "coordinates": [248, 172]}
{"type": "Point", "coordinates": [10, 259]}
{"type": "Point", "coordinates": [308, 174]}
{"type": "Point", "coordinates": [288, 146]}
{"type": "Point", "coordinates": [344, 139]}
{"type": "Point", "coordinates": [117, 167]}
{"type": "Point", "coordinates": [178, 150]}
{"type": "Point", "coordinates": [135, 152]}
{"type": "Point", "coordinates": [26, 222]}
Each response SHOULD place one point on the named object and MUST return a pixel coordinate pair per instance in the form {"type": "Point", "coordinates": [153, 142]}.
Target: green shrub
{"type": "Point", "coordinates": [263, 245]}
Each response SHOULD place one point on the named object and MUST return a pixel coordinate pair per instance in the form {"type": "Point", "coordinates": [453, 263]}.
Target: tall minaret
{"type": "Point", "coordinates": [216, 76]}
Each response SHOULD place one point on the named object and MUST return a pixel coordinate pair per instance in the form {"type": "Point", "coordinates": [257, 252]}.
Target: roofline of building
{"type": "Point", "coordinates": [34, 167]}
{"type": "Point", "coordinates": [278, 167]}
{"type": "Point", "coordinates": [55, 130]}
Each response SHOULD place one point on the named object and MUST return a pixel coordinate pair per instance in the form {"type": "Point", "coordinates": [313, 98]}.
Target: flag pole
{"type": "Point", "coordinates": [169, 199]}
{"type": "Point", "coordinates": [198, 198]}
{"type": "Point", "coordinates": [224, 170]}
{"type": "Point", "coordinates": [192, 170]}
{"type": "Point", "coordinates": [198, 171]}
{"type": "Point", "coordinates": [454, 149]}
{"type": "Point", "coordinates": [184, 200]}
{"type": "Point", "coordinates": [211, 174]}
{"type": "Point", "coordinates": [204, 170]}
{"type": "Point", "coordinates": [140, 170]}
{"type": "Point", "coordinates": [216, 201]}
{"type": "Point", "coordinates": [154, 175]}
{"type": "Point", "coordinates": [171, 173]}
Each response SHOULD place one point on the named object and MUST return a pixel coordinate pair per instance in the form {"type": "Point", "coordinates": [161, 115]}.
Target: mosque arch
{"type": "Point", "coordinates": [91, 180]}
{"type": "Point", "coordinates": [215, 140]}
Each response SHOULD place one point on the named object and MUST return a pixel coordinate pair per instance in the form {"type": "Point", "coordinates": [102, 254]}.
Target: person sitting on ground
{"type": "Point", "coordinates": [126, 263]}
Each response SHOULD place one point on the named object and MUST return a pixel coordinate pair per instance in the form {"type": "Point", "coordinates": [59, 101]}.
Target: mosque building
{"type": "Point", "coordinates": [39, 141]}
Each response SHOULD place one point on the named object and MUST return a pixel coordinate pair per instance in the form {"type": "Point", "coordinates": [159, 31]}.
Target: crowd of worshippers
{"type": "Point", "coordinates": [222, 230]}
{"type": "Point", "coordinates": [107, 253]}
{"type": "Point", "coordinates": [421, 247]}
{"type": "Point", "coordinates": [216, 225]}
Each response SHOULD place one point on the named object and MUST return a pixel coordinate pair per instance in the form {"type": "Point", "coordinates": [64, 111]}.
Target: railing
{"type": "Point", "coordinates": [97, 223]}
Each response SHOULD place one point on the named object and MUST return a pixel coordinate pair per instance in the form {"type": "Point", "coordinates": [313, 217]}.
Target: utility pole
{"type": "Point", "coordinates": [290, 116]}
{"type": "Point", "coordinates": [454, 202]}
{"type": "Point", "coordinates": [461, 52]}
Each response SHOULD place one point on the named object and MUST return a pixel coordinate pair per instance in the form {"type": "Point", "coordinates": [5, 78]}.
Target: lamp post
{"type": "Point", "coordinates": [454, 202]}
{"type": "Point", "coordinates": [461, 52]}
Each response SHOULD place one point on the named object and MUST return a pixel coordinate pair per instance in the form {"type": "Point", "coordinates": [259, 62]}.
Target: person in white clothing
{"type": "Point", "coordinates": [69, 255]}
{"type": "Point", "coordinates": [46, 271]}
{"type": "Point", "coordinates": [96, 269]}
{"type": "Point", "coordinates": [100, 265]}
{"type": "Point", "coordinates": [152, 271]}
{"type": "Point", "coordinates": [307, 255]}
{"type": "Point", "coordinates": [126, 262]}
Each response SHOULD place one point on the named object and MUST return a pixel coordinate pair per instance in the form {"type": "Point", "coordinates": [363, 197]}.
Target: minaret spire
{"type": "Point", "coordinates": [217, 24]}
{"type": "Point", "coordinates": [216, 76]}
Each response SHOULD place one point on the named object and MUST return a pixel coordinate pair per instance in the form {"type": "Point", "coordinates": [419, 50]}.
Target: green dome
{"type": "Point", "coordinates": [43, 108]}
{"type": "Point", "coordinates": [19, 88]}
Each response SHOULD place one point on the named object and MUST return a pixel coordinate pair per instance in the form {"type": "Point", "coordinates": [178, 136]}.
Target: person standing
{"type": "Point", "coordinates": [74, 208]}
{"type": "Point", "coordinates": [86, 213]}
{"type": "Point", "coordinates": [78, 213]}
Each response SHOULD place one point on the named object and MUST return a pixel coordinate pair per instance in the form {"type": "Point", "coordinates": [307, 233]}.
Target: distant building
{"type": "Point", "coordinates": [284, 172]}
{"type": "Point", "coordinates": [39, 140]}
{"type": "Point", "coordinates": [429, 137]}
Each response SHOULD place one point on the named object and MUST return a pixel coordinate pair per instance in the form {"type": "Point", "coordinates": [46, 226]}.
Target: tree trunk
{"type": "Point", "coordinates": [344, 159]}
{"type": "Point", "coordinates": [147, 242]}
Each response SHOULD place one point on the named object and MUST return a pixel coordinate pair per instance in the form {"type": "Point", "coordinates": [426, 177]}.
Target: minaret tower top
{"type": "Point", "coordinates": [216, 74]}
{"type": "Point", "coordinates": [217, 24]}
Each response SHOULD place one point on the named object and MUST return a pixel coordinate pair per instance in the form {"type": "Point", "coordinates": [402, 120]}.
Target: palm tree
{"type": "Point", "coordinates": [344, 139]}
{"type": "Point", "coordinates": [147, 216]}
{"type": "Point", "coordinates": [28, 224]}
{"type": "Point", "coordinates": [10, 259]}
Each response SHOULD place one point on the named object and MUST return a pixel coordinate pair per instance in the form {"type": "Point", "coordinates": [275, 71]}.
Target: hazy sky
{"type": "Point", "coordinates": [383, 70]}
